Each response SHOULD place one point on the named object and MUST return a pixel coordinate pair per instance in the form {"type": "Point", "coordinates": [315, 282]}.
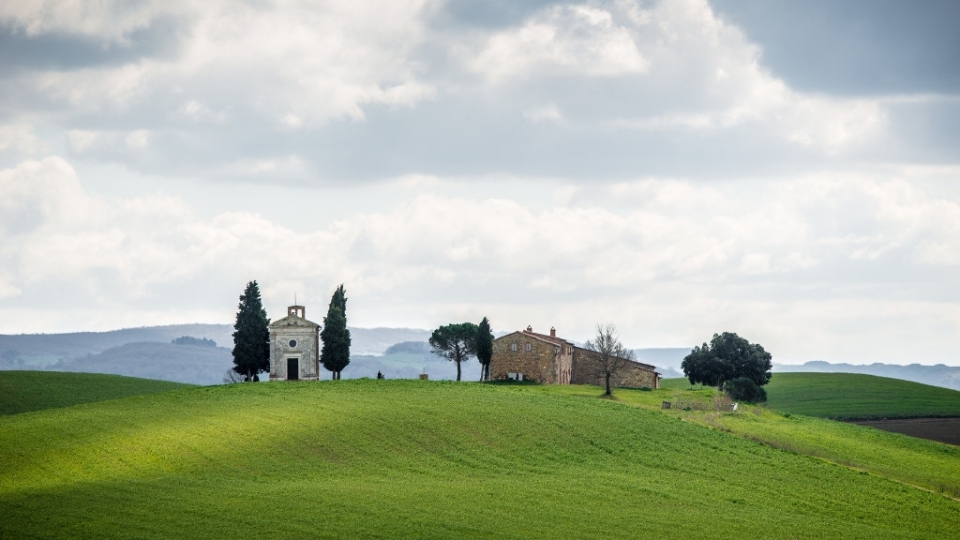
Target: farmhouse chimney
{"type": "Point", "coordinates": [529, 328]}
{"type": "Point", "coordinates": [553, 332]}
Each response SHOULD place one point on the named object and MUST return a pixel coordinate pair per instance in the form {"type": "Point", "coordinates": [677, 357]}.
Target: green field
{"type": "Point", "coordinates": [850, 395]}
{"type": "Point", "coordinates": [25, 391]}
{"type": "Point", "coordinates": [397, 459]}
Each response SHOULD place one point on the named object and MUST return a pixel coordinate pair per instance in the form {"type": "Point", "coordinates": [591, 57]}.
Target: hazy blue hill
{"type": "Point", "coordinates": [147, 352]}
{"type": "Point", "coordinates": [31, 351]}
{"type": "Point", "coordinates": [36, 351]}
{"type": "Point", "coordinates": [938, 375]}
{"type": "Point", "coordinates": [374, 341]}
{"type": "Point", "coordinates": [667, 360]}
{"type": "Point", "coordinates": [163, 361]}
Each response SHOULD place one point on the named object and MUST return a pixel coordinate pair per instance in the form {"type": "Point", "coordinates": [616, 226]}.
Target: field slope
{"type": "Point", "coordinates": [389, 459]}
{"type": "Point", "coordinates": [849, 395]}
{"type": "Point", "coordinates": [25, 391]}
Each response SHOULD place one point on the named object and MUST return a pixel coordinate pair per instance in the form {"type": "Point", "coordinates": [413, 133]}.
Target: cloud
{"type": "Point", "coordinates": [672, 261]}
{"type": "Point", "coordinates": [616, 88]}
{"type": "Point", "coordinates": [19, 138]}
{"type": "Point", "coordinates": [582, 40]}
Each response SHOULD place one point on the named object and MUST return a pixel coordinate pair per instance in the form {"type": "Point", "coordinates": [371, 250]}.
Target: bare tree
{"type": "Point", "coordinates": [612, 356]}
{"type": "Point", "coordinates": [231, 377]}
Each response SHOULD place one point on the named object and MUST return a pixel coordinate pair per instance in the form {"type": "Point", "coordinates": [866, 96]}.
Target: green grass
{"type": "Point", "coordinates": [25, 391]}
{"type": "Point", "coordinates": [413, 459]}
{"type": "Point", "coordinates": [849, 395]}
{"type": "Point", "coordinates": [679, 384]}
{"type": "Point", "coordinates": [917, 462]}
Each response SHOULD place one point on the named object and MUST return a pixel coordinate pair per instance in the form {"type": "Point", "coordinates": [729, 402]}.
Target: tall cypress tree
{"type": "Point", "coordinates": [335, 353]}
{"type": "Point", "coordinates": [251, 347]}
{"type": "Point", "coordinates": [484, 348]}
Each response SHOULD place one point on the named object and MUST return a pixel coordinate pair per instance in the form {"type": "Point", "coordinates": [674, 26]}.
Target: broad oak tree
{"type": "Point", "coordinates": [456, 342]}
{"type": "Point", "coordinates": [727, 356]}
{"type": "Point", "coordinates": [251, 338]}
{"type": "Point", "coordinates": [335, 352]}
{"type": "Point", "coordinates": [611, 355]}
{"type": "Point", "coordinates": [484, 348]}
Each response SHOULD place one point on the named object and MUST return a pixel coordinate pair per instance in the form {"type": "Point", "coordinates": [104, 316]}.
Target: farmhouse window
{"type": "Point", "coordinates": [513, 347]}
{"type": "Point", "coordinates": [529, 347]}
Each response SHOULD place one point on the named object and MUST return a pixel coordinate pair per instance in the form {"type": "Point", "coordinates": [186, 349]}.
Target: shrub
{"type": "Point", "coordinates": [744, 389]}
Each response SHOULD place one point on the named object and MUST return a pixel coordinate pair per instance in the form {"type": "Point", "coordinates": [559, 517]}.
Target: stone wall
{"type": "Point", "coordinates": [586, 368]}
{"type": "Point", "coordinates": [537, 364]}
{"type": "Point", "coordinates": [306, 351]}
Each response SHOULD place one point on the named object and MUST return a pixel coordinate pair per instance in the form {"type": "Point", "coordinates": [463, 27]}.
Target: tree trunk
{"type": "Point", "coordinates": [458, 370]}
{"type": "Point", "coordinates": [608, 385]}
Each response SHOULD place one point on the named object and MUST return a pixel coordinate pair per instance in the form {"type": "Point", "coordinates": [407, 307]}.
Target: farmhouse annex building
{"type": "Point", "coordinates": [548, 359]}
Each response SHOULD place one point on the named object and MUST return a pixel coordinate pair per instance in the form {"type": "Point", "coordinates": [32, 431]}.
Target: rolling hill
{"type": "Point", "coordinates": [848, 396]}
{"type": "Point", "coordinates": [25, 391]}
{"type": "Point", "coordinates": [388, 459]}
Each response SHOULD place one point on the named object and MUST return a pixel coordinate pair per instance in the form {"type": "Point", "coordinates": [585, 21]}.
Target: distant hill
{"type": "Point", "coordinates": [667, 360]}
{"type": "Point", "coordinates": [36, 351]}
{"type": "Point", "coordinates": [25, 391]}
{"type": "Point", "coordinates": [202, 354]}
{"type": "Point", "coordinates": [164, 361]}
{"type": "Point", "coordinates": [372, 350]}
{"type": "Point", "coordinates": [938, 375]}
{"type": "Point", "coordinates": [851, 395]}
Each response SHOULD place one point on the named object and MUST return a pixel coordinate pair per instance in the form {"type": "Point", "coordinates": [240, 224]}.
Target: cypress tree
{"type": "Point", "coordinates": [335, 352]}
{"type": "Point", "coordinates": [251, 347]}
{"type": "Point", "coordinates": [484, 348]}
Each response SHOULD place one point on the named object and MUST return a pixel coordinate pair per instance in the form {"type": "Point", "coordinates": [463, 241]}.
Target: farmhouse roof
{"type": "Point", "coordinates": [554, 340]}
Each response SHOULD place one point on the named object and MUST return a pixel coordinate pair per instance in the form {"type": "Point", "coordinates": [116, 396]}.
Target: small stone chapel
{"type": "Point", "coordinates": [294, 347]}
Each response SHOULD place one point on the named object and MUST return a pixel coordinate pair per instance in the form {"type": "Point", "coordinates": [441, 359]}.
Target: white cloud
{"type": "Point", "coordinates": [267, 72]}
{"type": "Point", "coordinates": [671, 262]}
{"type": "Point", "coordinates": [581, 40]}
{"type": "Point", "coordinates": [111, 21]}
{"type": "Point", "coordinates": [19, 138]}
{"type": "Point", "coordinates": [314, 61]}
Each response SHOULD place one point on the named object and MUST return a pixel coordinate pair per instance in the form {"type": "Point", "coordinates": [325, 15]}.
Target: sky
{"type": "Point", "coordinates": [788, 171]}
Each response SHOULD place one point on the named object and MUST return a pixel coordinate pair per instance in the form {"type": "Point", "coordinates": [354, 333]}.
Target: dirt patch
{"type": "Point", "coordinates": [945, 430]}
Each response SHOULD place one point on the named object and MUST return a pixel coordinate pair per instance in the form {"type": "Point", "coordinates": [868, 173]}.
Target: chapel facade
{"type": "Point", "coordinates": [294, 347]}
{"type": "Point", "coordinates": [547, 359]}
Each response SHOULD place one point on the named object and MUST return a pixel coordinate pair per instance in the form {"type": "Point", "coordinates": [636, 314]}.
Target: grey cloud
{"type": "Point", "coordinates": [855, 47]}
{"type": "Point", "coordinates": [227, 122]}
{"type": "Point", "coordinates": [491, 14]}
{"type": "Point", "coordinates": [61, 51]}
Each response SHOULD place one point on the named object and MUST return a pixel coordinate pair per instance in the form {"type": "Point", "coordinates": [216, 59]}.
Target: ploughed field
{"type": "Point", "coordinates": [389, 459]}
{"type": "Point", "coordinates": [936, 429]}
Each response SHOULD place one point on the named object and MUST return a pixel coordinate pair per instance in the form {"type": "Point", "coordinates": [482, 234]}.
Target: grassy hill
{"type": "Point", "coordinates": [24, 391]}
{"type": "Point", "coordinates": [388, 459]}
{"type": "Point", "coordinates": [848, 395]}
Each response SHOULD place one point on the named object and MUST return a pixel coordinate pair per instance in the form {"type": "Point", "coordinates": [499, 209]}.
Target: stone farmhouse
{"type": "Point", "coordinates": [547, 359]}
{"type": "Point", "coordinates": [294, 347]}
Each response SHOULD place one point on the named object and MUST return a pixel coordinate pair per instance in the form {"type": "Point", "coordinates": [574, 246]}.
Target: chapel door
{"type": "Point", "coordinates": [293, 369]}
